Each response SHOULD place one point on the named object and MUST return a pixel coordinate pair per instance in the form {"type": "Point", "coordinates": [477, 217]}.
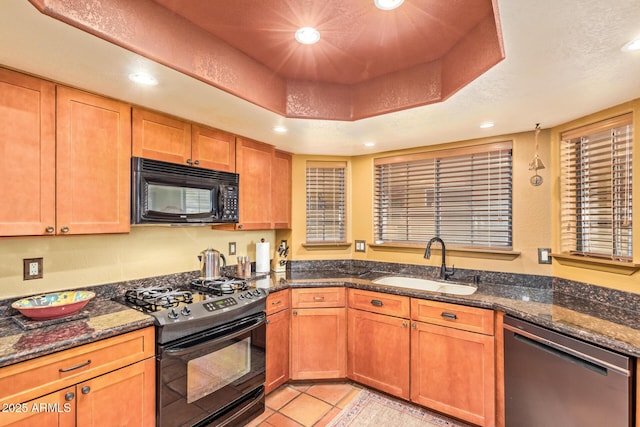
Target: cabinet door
{"type": "Point", "coordinates": [281, 190]}
{"type": "Point", "coordinates": [125, 397]}
{"type": "Point", "coordinates": [93, 163]}
{"type": "Point", "coordinates": [213, 149]}
{"type": "Point", "coordinates": [452, 371]}
{"type": "Point", "coordinates": [253, 163]}
{"type": "Point", "coordinates": [54, 409]}
{"type": "Point", "coordinates": [160, 137]}
{"type": "Point", "coordinates": [27, 164]}
{"type": "Point", "coordinates": [378, 351]}
{"type": "Point", "coordinates": [277, 350]}
{"type": "Point", "coordinates": [318, 343]}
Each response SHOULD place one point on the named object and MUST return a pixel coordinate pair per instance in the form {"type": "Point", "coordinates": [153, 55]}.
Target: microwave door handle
{"type": "Point", "coordinates": [179, 351]}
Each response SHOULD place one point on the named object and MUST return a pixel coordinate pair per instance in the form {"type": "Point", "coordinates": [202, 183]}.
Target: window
{"type": "Point", "coordinates": [326, 210]}
{"type": "Point", "coordinates": [595, 185]}
{"type": "Point", "coordinates": [461, 195]}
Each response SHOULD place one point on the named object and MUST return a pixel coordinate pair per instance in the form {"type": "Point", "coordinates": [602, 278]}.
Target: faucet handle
{"type": "Point", "coordinates": [449, 272]}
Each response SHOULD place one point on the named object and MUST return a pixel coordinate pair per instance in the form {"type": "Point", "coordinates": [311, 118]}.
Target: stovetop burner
{"type": "Point", "coordinates": [222, 285]}
{"type": "Point", "coordinates": [156, 298]}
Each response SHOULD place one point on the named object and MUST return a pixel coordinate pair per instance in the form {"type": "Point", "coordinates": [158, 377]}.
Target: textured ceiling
{"type": "Point", "coordinates": [562, 61]}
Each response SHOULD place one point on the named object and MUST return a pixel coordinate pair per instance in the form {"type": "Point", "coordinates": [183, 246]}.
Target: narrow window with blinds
{"type": "Point", "coordinates": [463, 196]}
{"type": "Point", "coordinates": [326, 211]}
{"type": "Point", "coordinates": [595, 184]}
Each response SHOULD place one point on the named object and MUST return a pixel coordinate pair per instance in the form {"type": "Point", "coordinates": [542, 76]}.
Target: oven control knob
{"type": "Point", "coordinates": [173, 314]}
{"type": "Point", "coordinates": [186, 311]}
{"type": "Point", "coordinates": [256, 293]}
{"type": "Point", "coordinates": [248, 295]}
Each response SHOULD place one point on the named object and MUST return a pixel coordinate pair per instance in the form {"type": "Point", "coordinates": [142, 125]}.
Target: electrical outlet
{"type": "Point", "coordinates": [232, 248]}
{"type": "Point", "coordinates": [361, 245]}
{"type": "Point", "coordinates": [32, 268]}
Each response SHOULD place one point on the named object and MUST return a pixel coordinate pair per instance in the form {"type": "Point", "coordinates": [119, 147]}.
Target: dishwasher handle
{"type": "Point", "coordinates": [560, 350]}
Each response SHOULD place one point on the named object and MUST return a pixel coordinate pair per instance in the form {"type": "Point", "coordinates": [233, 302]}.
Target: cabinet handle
{"type": "Point", "coordinates": [64, 229]}
{"type": "Point", "coordinates": [448, 315]}
{"type": "Point", "coordinates": [295, 313]}
{"type": "Point", "coordinates": [68, 396]}
{"type": "Point", "coordinates": [276, 302]}
{"type": "Point", "coordinates": [376, 302]}
{"type": "Point", "coordinates": [86, 389]}
{"type": "Point", "coordinates": [320, 298]}
{"type": "Point", "coordinates": [50, 229]}
{"type": "Point", "coordinates": [72, 368]}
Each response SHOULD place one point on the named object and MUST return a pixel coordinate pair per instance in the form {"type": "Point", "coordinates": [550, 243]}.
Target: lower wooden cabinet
{"type": "Point", "coordinates": [378, 351]}
{"type": "Point", "coordinates": [277, 348]}
{"type": "Point", "coordinates": [453, 369]}
{"type": "Point", "coordinates": [318, 335]}
{"type": "Point", "coordinates": [106, 383]}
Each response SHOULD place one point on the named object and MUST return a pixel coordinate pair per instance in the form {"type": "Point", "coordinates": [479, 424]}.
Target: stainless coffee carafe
{"type": "Point", "coordinates": [210, 268]}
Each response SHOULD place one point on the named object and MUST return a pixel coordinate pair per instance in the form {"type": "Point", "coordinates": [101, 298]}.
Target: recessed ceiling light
{"type": "Point", "coordinates": [632, 45]}
{"type": "Point", "coordinates": [143, 79]}
{"type": "Point", "coordinates": [487, 125]}
{"type": "Point", "coordinates": [387, 4]}
{"type": "Point", "coordinates": [279, 129]}
{"type": "Point", "coordinates": [307, 35]}
{"type": "Point", "coordinates": [369, 144]}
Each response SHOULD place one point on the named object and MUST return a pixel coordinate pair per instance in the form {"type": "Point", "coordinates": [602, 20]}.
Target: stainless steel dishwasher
{"type": "Point", "coordinates": [555, 380]}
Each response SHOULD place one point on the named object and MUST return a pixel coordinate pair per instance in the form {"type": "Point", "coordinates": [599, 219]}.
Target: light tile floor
{"type": "Point", "coordinates": [308, 405]}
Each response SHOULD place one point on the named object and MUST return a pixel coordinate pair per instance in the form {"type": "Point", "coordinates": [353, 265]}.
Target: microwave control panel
{"type": "Point", "coordinates": [229, 202]}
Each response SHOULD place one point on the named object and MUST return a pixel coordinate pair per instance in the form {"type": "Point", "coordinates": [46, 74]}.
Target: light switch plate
{"type": "Point", "coordinates": [361, 245]}
{"type": "Point", "coordinates": [544, 255]}
{"type": "Point", "coordinates": [232, 248]}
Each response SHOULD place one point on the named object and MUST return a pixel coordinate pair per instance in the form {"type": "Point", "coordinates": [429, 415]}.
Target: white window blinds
{"type": "Point", "coordinates": [596, 184]}
{"type": "Point", "coordinates": [326, 210]}
{"type": "Point", "coordinates": [461, 195]}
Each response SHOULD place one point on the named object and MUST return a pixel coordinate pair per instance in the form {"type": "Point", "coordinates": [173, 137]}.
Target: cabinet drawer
{"type": "Point", "coordinates": [278, 301]}
{"type": "Point", "coordinates": [318, 297]}
{"type": "Point", "coordinates": [376, 302]}
{"type": "Point", "coordinates": [37, 377]}
{"type": "Point", "coordinates": [470, 319]}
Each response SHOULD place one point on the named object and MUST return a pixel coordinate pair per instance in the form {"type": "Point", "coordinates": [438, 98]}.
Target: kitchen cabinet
{"type": "Point", "coordinates": [452, 360]}
{"type": "Point", "coordinates": [161, 137]}
{"type": "Point", "coordinates": [281, 190]}
{"type": "Point", "coordinates": [265, 186]}
{"type": "Point", "coordinates": [66, 159]}
{"type": "Point", "coordinates": [108, 382]}
{"type": "Point", "coordinates": [318, 333]}
{"type": "Point", "coordinates": [27, 164]}
{"type": "Point", "coordinates": [93, 169]}
{"type": "Point", "coordinates": [378, 341]}
{"type": "Point", "coordinates": [277, 347]}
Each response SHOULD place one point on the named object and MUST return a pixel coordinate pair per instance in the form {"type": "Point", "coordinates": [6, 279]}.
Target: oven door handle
{"type": "Point", "coordinates": [178, 351]}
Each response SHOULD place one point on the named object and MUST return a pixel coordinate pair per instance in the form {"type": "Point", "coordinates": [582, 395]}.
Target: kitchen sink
{"type": "Point", "coordinates": [426, 285]}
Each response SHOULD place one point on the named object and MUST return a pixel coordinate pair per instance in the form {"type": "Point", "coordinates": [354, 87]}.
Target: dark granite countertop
{"type": "Point", "coordinates": [604, 317]}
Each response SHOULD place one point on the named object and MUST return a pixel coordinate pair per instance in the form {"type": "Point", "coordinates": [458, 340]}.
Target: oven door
{"type": "Point", "coordinates": [216, 376]}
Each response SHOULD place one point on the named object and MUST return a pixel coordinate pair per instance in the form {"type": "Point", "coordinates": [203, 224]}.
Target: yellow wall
{"type": "Point", "coordinates": [585, 272]}
{"type": "Point", "coordinates": [531, 212]}
{"type": "Point", "coordinates": [79, 261]}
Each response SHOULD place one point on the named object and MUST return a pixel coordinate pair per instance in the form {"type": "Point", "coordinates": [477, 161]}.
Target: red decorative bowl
{"type": "Point", "coordinates": [53, 305]}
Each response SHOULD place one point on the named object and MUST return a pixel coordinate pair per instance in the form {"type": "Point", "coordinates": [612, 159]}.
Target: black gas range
{"type": "Point", "coordinates": [210, 350]}
{"type": "Point", "coordinates": [201, 304]}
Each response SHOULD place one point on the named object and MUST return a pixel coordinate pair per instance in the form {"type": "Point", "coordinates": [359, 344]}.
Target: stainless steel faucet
{"type": "Point", "coordinates": [444, 272]}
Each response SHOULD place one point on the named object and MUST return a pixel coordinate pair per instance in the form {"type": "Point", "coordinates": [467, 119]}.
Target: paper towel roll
{"type": "Point", "coordinates": [262, 257]}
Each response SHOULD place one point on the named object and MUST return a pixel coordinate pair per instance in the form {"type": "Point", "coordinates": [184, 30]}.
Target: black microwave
{"type": "Point", "coordinates": [168, 193]}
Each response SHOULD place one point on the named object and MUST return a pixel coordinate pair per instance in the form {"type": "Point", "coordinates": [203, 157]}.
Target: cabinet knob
{"type": "Point", "coordinates": [50, 229]}
{"type": "Point", "coordinates": [414, 326]}
{"type": "Point", "coordinates": [189, 161]}
{"type": "Point", "coordinates": [197, 162]}
{"type": "Point", "coordinates": [86, 389]}
{"type": "Point", "coordinates": [64, 229]}
{"type": "Point", "coordinates": [405, 324]}
{"type": "Point", "coordinates": [69, 396]}
{"type": "Point", "coordinates": [295, 313]}
{"type": "Point", "coordinates": [268, 321]}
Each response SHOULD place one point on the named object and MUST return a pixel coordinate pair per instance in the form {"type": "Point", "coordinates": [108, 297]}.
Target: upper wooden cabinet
{"type": "Point", "coordinates": [161, 137]}
{"type": "Point", "coordinates": [65, 171]}
{"type": "Point", "coordinates": [93, 167]}
{"type": "Point", "coordinates": [27, 164]}
{"type": "Point", "coordinates": [265, 185]}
